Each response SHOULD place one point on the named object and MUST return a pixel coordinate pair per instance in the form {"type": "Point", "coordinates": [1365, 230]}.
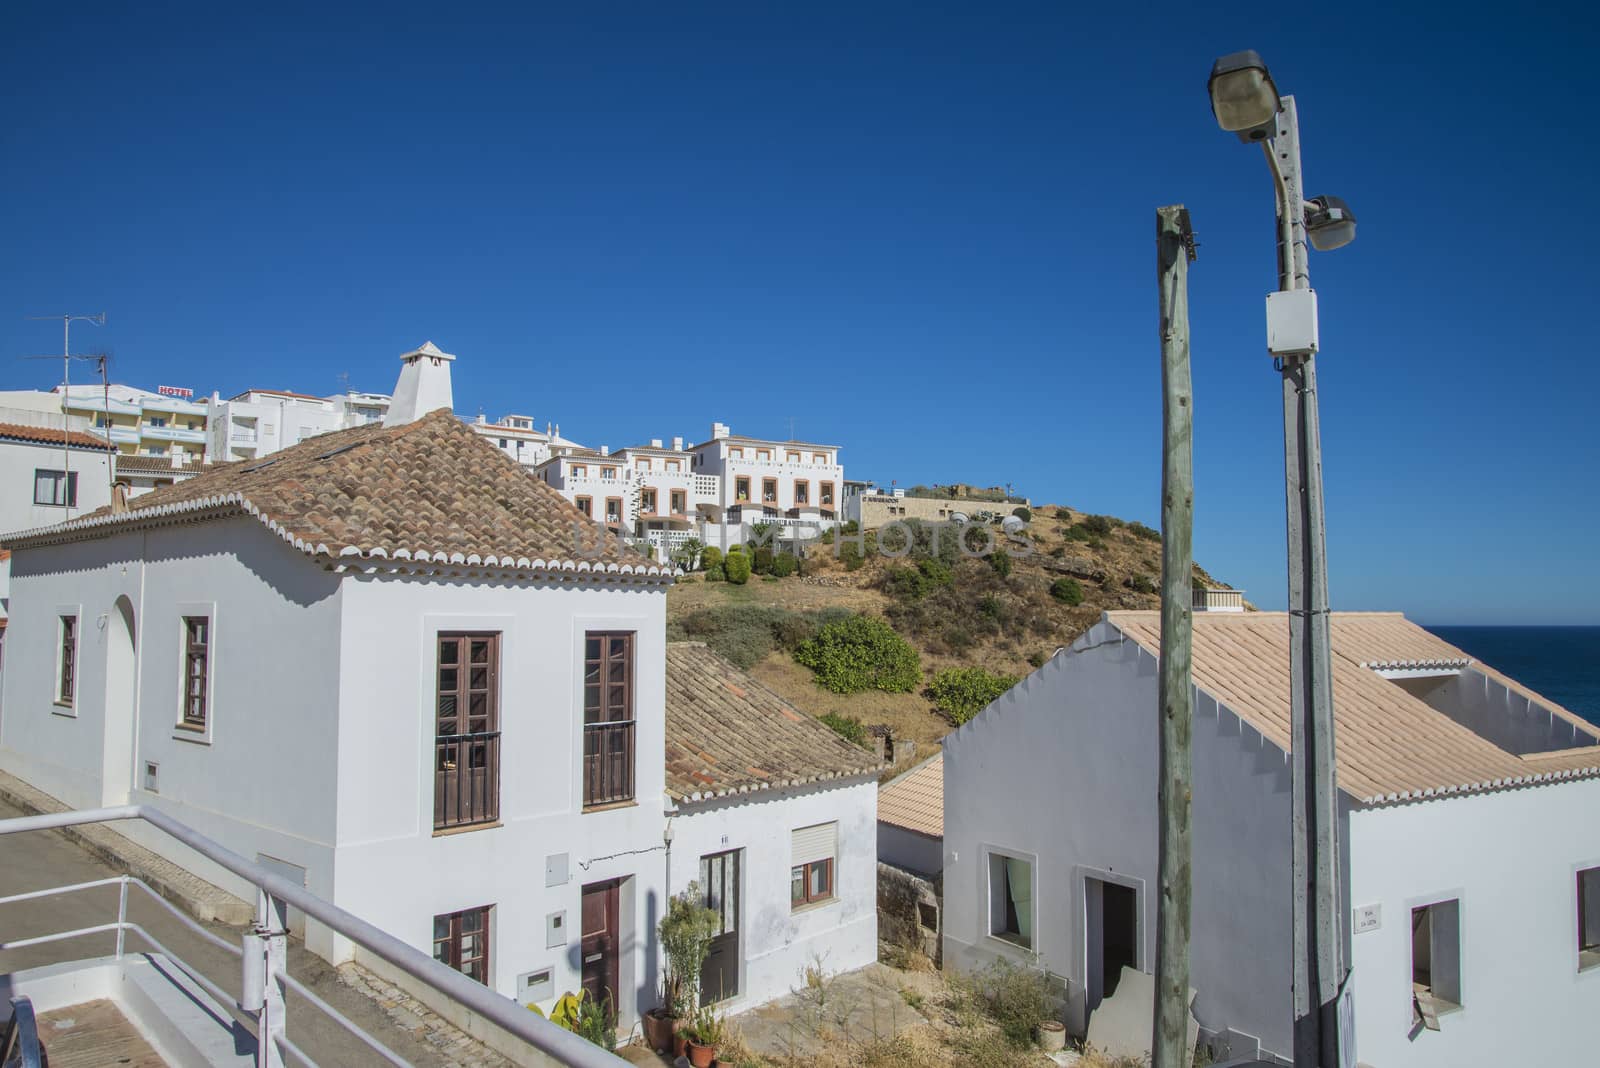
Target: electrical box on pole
{"type": "Point", "coordinates": [1292, 322]}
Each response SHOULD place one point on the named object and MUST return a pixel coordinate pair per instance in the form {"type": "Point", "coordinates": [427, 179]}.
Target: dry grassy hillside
{"type": "Point", "coordinates": [971, 616]}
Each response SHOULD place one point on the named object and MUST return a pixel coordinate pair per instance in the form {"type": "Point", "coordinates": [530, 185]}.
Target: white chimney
{"type": "Point", "coordinates": [605, 450]}
{"type": "Point", "coordinates": [719, 430]}
{"type": "Point", "coordinates": [482, 419]}
{"type": "Point", "coordinates": [424, 385]}
{"type": "Point", "coordinates": [677, 444]}
{"type": "Point", "coordinates": [655, 443]}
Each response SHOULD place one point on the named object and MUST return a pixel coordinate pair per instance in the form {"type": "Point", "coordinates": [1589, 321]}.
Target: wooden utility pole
{"type": "Point", "coordinates": [1174, 250]}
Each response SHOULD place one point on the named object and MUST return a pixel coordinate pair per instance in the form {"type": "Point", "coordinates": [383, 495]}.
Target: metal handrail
{"type": "Point", "coordinates": [503, 1012]}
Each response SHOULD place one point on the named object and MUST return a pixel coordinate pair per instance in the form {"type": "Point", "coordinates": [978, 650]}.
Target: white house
{"type": "Point", "coordinates": [47, 474]}
{"type": "Point", "coordinates": [1470, 852]}
{"type": "Point", "coordinates": [772, 815]}
{"type": "Point", "coordinates": [383, 660]}
{"type": "Point", "coordinates": [518, 438]}
{"type": "Point", "coordinates": [793, 485]}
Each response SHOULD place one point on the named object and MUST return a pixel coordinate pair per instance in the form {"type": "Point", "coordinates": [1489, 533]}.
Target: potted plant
{"type": "Point", "coordinates": [705, 1035]}
{"type": "Point", "coordinates": [686, 932]}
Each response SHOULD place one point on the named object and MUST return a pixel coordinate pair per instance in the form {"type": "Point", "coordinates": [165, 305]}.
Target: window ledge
{"type": "Point", "coordinates": [192, 735]}
{"type": "Point", "coordinates": [1011, 943]}
{"type": "Point", "coordinates": [64, 708]}
{"type": "Point", "coordinates": [465, 828]}
{"type": "Point", "coordinates": [610, 806]}
{"type": "Point", "coordinates": [813, 906]}
{"type": "Point", "coordinates": [1588, 960]}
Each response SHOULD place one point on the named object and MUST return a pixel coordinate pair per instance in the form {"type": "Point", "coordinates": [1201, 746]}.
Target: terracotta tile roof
{"type": "Point", "coordinates": [915, 800]}
{"type": "Point", "coordinates": [430, 491]}
{"type": "Point", "coordinates": [43, 435]}
{"type": "Point", "coordinates": [728, 734]}
{"type": "Point", "coordinates": [1391, 746]}
{"type": "Point", "coordinates": [156, 465]}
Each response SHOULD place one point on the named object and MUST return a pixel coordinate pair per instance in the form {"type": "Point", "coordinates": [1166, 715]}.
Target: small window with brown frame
{"type": "Point", "coordinates": [642, 463]}
{"type": "Point", "coordinates": [819, 458]}
{"type": "Point", "coordinates": [769, 491]}
{"type": "Point", "coordinates": [461, 941]}
{"type": "Point", "coordinates": [811, 882]}
{"type": "Point", "coordinates": [674, 465]}
{"type": "Point", "coordinates": [608, 473]}
{"type": "Point", "coordinates": [763, 454]}
{"type": "Point", "coordinates": [585, 505]}
{"type": "Point", "coordinates": [196, 673]}
{"type": "Point", "coordinates": [647, 501]}
{"type": "Point", "coordinates": [67, 678]}
{"type": "Point", "coordinates": [613, 509]}
{"type": "Point", "coordinates": [826, 494]}
{"type": "Point", "coordinates": [741, 489]}
{"type": "Point", "coordinates": [792, 457]}
{"type": "Point", "coordinates": [608, 723]}
{"type": "Point", "coordinates": [802, 492]}
{"type": "Point", "coordinates": [680, 502]}
{"type": "Point", "coordinates": [580, 470]}
{"type": "Point", "coordinates": [466, 776]}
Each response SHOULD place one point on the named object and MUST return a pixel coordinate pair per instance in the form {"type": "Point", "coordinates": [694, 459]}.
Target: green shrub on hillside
{"type": "Point", "coordinates": [915, 582]}
{"type": "Point", "coordinates": [715, 573]}
{"type": "Point", "coordinates": [1098, 525]}
{"type": "Point", "coordinates": [1077, 532]}
{"type": "Point", "coordinates": [737, 566]}
{"type": "Point", "coordinates": [1067, 591]}
{"type": "Point", "coordinates": [850, 556]}
{"type": "Point", "coordinates": [961, 693]}
{"type": "Point", "coordinates": [1023, 514]}
{"type": "Point", "coordinates": [849, 728]}
{"type": "Point", "coordinates": [861, 653]}
{"type": "Point", "coordinates": [1142, 584]}
{"type": "Point", "coordinates": [1000, 560]}
{"type": "Point", "coordinates": [1144, 533]}
{"type": "Point", "coordinates": [785, 564]}
{"type": "Point", "coordinates": [744, 633]}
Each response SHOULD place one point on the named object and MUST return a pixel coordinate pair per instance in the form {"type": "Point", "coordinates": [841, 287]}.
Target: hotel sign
{"type": "Point", "coordinates": [175, 391]}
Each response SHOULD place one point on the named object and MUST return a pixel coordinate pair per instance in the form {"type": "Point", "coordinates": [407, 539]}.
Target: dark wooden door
{"type": "Point", "coordinates": [719, 885]}
{"type": "Point", "coordinates": [600, 940]}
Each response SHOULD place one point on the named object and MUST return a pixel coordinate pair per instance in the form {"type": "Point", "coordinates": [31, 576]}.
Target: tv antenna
{"type": "Point", "coordinates": [66, 380]}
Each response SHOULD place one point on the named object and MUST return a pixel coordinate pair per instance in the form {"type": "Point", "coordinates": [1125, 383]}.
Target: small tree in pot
{"type": "Point", "coordinates": [686, 932]}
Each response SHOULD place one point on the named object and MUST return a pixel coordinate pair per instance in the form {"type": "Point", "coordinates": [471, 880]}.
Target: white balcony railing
{"type": "Point", "coordinates": [264, 980]}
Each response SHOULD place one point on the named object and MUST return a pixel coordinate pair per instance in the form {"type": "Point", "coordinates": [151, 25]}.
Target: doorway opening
{"type": "Point", "coordinates": [1112, 915]}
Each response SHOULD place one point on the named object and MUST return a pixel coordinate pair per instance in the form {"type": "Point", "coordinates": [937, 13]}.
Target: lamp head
{"type": "Point", "coordinates": [1243, 96]}
{"type": "Point", "coordinates": [1330, 223]}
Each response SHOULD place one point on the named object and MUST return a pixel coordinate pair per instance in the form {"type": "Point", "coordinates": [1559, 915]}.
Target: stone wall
{"type": "Point", "coordinates": [910, 914]}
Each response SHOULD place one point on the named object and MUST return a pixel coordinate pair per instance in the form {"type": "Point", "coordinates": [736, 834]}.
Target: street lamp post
{"type": "Point", "coordinates": [1246, 102]}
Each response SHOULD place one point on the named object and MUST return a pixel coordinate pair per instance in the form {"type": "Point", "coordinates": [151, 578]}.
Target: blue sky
{"type": "Point", "coordinates": [923, 231]}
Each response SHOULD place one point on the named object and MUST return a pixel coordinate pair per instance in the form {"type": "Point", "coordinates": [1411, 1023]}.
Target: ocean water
{"type": "Point", "coordinates": [1562, 663]}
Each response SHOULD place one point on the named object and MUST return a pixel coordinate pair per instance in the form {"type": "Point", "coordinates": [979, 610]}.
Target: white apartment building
{"type": "Point", "coordinates": [139, 422]}
{"type": "Point", "coordinates": [649, 491]}
{"type": "Point", "coordinates": [259, 422]}
{"type": "Point", "coordinates": [793, 485]}
{"type": "Point", "coordinates": [520, 439]}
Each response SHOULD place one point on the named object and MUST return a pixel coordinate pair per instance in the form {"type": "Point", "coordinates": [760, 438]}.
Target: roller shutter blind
{"type": "Point", "coordinates": [819, 842]}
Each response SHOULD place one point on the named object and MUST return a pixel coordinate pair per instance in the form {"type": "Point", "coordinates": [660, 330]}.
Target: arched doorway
{"type": "Point", "coordinates": [116, 773]}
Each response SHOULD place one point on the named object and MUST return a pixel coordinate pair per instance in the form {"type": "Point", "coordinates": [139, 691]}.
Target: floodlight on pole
{"type": "Point", "coordinates": [1329, 223]}
{"type": "Point", "coordinates": [1243, 96]}
{"type": "Point", "coordinates": [1246, 103]}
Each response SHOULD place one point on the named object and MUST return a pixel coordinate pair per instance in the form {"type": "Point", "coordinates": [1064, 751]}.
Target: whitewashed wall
{"type": "Point", "coordinates": [909, 849]}
{"type": "Point", "coordinates": [1511, 857]}
{"type": "Point", "coordinates": [776, 943]}
{"type": "Point", "coordinates": [1063, 769]}
{"type": "Point", "coordinates": [385, 804]}
{"type": "Point", "coordinates": [19, 460]}
{"type": "Point", "coordinates": [260, 779]}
